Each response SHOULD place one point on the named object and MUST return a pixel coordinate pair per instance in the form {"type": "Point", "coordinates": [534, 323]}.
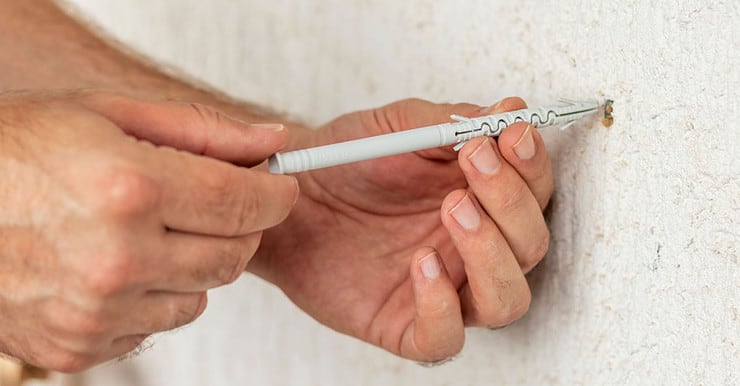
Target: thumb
{"type": "Point", "coordinates": [192, 127]}
{"type": "Point", "coordinates": [438, 330]}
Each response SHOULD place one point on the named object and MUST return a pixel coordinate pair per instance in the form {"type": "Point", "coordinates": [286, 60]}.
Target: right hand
{"type": "Point", "coordinates": [108, 236]}
{"type": "Point", "coordinates": [367, 268]}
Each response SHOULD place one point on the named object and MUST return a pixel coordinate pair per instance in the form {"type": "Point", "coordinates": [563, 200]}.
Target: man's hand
{"type": "Point", "coordinates": [112, 224]}
{"type": "Point", "coordinates": [368, 251]}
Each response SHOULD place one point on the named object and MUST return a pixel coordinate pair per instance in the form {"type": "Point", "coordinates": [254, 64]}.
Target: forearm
{"type": "Point", "coordinates": [41, 47]}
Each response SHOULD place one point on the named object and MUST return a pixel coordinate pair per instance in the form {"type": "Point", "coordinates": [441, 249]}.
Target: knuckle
{"type": "Point", "coordinates": [235, 204]}
{"type": "Point", "coordinates": [265, 203]}
{"type": "Point", "coordinates": [441, 354]}
{"type": "Point", "coordinates": [434, 351]}
{"type": "Point", "coordinates": [398, 113]}
{"type": "Point", "coordinates": [209, 117]}
{"type": "Point", "coordinates": [411, 103]}
{"type": "Point", "coordinates": [448, 351]}
{"type": "Point", "coordinates": [220, 184]}
{"type": "Point", "coordinates": [464, 108]}
{"type": "Point", "coordinates": [207, 114]}
{"type": "Point", "coordinates": [112, 275]}
{"type": "Point", "coordinates": [236, 258]}
{"type": "Point", "coordinates": [189, 311]}
{"type": "Point", "coordinates": [69, 362]}
{"type": "Point", "coordinates": [545, 199]}
{"type": "Point", "coordinates": [131, 345]}
{"type": "Point", "coordinates": [228, 276]}
{"type": "Point", "coordinates": [200, 306]}
{"type": "Point", "coordinates": [246, 212]}
{"type": "Point", "coordinates": [83, 324]}
{"type": "Point", "coordinates": [512, 198]}
{"type": "Point", "coordinates": [518, 309]}
{"type": "Point", "coordinates": [66, 321]}
{"type": "Point", "coordinates": [125, 192]}
{"type": "Point", "coordinates": [246, 252]}
{"type": "Point", "coordinates": [511, 311]}
{"type": "Point", "coordinates": [228, 273]}
{"type": "Point", "coordinates": [537, 253]}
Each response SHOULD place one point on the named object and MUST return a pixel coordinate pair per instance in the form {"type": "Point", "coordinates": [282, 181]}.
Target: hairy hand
{"type": "Point", "coordinates": [405, 251]}
{"type": "Point", "coordinates": [113, 223]}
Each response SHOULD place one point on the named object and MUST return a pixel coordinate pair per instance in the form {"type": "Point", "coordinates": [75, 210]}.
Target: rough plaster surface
{"type": "Point", "coordinates": [642, 281]}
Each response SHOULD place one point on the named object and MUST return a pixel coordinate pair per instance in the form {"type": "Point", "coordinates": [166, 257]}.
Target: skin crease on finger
{"type": "Point", "coordinates": [507, 197]}
{"type": "Point", "coordinates": [325, 255]}
{"type": "Point", "coordinates": [401, 222]}
{"type": "Point", "coordinates": [51, 209]}
{"type": "Point", "coordinates": [78, 250]}
{"type": "Point", "coordinates": [377, 315]}
{"type": "Point", "coordinates": [369, 224]}
{"type": "Point", "coordinates": [343, 254]}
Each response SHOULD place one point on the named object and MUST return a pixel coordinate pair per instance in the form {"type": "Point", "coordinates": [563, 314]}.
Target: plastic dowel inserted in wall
{"type": "Point", "coordinates": [458, 132]}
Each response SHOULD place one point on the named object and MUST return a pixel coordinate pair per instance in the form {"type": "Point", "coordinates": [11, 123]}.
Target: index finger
{"type": "Point", "coordinates": [206, 196]}
{"type": "Point", "coordinates": [523, 148]}
{"type": "Point", "coordinates": [192, 127]}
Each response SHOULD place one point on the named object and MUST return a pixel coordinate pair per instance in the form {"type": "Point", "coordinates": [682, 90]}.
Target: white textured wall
{"type": "Point", "coordinates": [642, 282]}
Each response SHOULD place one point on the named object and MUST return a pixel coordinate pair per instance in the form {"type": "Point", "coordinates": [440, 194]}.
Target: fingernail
{"type": "Point", "coordinates": [466, 214]}
{"type": "Point", "coordinates": [430, 266]}
{"type": "Point", "coordinates": [524, 147]}
{"type": "Point", "coordinates": [484, 158]}
{"type": "Point", "coordinates": [493, 109]}
{"type": "Point", "coordinates": [268, 126]}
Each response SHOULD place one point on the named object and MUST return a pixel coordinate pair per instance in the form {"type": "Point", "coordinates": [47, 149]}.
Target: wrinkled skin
{"type": "Point", "coordinates": [354, 251]}
{"type": "Point", "coordinates": [106, 238]}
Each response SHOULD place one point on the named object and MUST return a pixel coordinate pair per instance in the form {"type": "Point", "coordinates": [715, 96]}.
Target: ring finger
{"type": "Point", "coordinates": [507, 198]}
{"type": "Point", "coordinates": [162, 311]}
{"type": "Point", "coordinates": [193, 263]}
{"type": "Point", "coordinates": [497, 292]}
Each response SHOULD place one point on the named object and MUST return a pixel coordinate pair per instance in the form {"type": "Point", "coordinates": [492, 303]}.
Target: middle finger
{"type": "Point", "coordinates": [508, 200]}
{"type": "Point", "coordinates": [211, 197]}
{"type": "Point", "coordinates": [497, 292]}
{"type": "Point", "coordinates": [192, 263]}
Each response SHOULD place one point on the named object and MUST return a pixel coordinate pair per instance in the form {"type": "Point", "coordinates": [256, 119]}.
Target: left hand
{"type": "Point", "coordinates": [405, 251]}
